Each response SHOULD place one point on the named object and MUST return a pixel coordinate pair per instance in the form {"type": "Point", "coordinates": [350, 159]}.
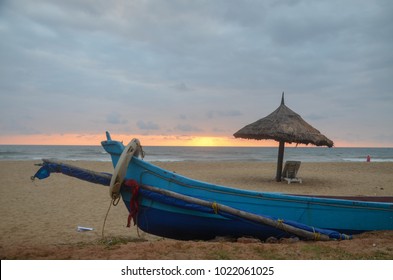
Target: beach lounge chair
{"type": "Point", "coordinates": [290, 171]}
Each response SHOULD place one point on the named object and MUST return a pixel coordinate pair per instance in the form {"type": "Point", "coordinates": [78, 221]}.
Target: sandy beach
{"type": "Point", "coordinates": [40, 218]}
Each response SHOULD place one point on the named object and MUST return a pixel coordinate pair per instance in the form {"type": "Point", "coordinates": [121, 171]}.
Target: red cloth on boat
{"type": "Point", "coordinates": [134, 186]}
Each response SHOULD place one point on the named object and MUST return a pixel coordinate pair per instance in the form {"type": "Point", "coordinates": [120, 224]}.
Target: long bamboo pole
{"type": "Point", "coordinates": [69, 169]}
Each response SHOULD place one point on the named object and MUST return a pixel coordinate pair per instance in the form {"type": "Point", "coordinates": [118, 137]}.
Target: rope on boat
{"type": "Point", "coordinates": [317, 235]}
{"type": "Point", "coordinates": [215, 207]}
{"type": "Point", "coordinates": [106, 216]}
{"type": "Point", "coordinates": [280, 223]}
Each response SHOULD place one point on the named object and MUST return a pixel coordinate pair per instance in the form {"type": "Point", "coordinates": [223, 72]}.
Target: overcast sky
{"type": "Point", "coordinates": [189, 68]}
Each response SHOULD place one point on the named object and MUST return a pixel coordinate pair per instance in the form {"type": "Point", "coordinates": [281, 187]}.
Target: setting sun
{"type": "Point", "coordinates": [146, 140]}
{"type": "Point", "coordinates": [150, 140]}
{"type": "Point", "coordinates": [210, 141]}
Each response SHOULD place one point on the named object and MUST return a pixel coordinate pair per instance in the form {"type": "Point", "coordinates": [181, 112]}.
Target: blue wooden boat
{"type": "Point", "coordinates": [183, 217]}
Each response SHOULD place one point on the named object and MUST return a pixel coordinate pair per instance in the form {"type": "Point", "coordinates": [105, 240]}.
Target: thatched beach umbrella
{"type": "Point", "coordinates": [283, 125]}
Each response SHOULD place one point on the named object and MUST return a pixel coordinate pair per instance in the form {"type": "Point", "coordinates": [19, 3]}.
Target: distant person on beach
{"type": "Point", "coordinates": [368, 158]}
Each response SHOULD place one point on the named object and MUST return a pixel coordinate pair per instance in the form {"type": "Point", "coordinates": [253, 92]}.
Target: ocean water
{"type": "Point", "coordinates": [264, 154]}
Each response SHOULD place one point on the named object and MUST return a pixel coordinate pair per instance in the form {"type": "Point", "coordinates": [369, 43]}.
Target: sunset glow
{"type": "Point", "coordinates": [147, 140]}
{"type": "Point", "coordinates": [154, 140]}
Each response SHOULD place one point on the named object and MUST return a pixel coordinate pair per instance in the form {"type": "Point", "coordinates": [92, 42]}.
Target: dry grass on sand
{"type": "Point", "coordinates": [369, 246]}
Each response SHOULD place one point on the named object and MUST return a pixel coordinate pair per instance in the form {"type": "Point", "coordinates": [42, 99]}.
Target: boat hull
{"type": "Point", "coordinates": [183, 226]}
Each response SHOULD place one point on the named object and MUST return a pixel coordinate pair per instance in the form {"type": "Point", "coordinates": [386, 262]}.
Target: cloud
{"type": "Point", "coordinates": [147, 125]}
{"type": "Point", "coordinates": [225, 114]}
{"type": "Point", "coordinates": [181, 87]}
{"type": "Point", "coordinates": [187, 128]}
{"type": "Point", "coordinates": [182, 117]}
{"type": "Point", "coordinates": [115, 118]}
{"type": "Point", "coordinates": [74, 63]}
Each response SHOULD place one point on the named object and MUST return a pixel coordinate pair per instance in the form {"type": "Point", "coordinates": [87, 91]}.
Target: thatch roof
{"type": "Point", "coordinates": [284, 125]}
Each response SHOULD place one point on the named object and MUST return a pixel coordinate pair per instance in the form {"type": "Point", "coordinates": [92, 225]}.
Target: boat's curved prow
{"type": "Point", "coordinates": [114, 148]}
{"type": "Point", "coordinates": [108, 136]}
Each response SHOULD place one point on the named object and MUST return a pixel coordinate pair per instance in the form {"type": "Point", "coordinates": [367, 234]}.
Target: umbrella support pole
{"type": "Point", "coordinates": [280, 161]}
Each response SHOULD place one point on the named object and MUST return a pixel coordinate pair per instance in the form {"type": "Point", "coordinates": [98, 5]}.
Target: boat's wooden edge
{"type": "Point", "coordinates": [386, 199]}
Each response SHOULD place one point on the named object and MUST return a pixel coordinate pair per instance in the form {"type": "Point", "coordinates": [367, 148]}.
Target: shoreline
{"type": "Point", "coordinates": [48, 212]}
{"type": "Point", "coordinates": [190, 153]}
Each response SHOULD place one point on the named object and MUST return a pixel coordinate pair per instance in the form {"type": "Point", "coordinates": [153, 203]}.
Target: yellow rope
{"type": "Point", "coordinates": [215, 207]}
{"type": "Point", "coordinates": [280, 223]}
{"type": "Point", "coordinates": [317, 235]}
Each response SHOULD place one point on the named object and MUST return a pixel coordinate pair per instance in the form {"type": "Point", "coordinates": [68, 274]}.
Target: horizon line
{"type": "Point", "coordinates": [163, 141]}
